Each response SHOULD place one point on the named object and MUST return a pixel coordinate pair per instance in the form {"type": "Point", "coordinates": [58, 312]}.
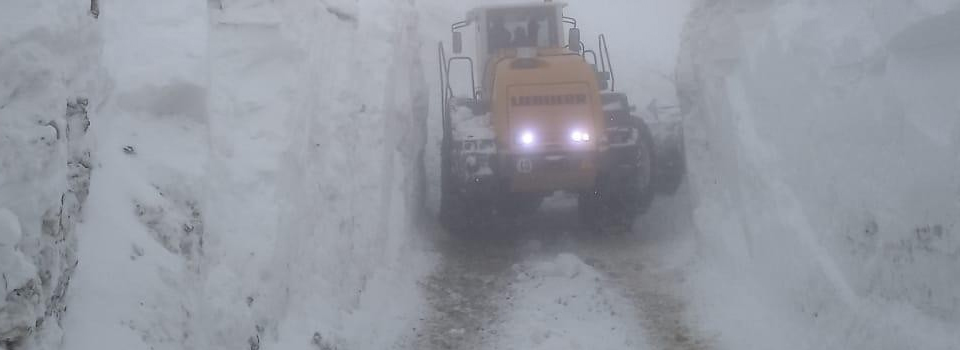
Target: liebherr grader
{"type": "Point", "coordinates": [543, 117]}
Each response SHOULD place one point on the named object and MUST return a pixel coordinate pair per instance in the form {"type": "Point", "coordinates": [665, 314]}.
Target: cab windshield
{"type": "Point", "coordinates": [514, 28]}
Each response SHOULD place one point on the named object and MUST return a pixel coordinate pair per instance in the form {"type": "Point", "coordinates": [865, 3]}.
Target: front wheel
{"type": "Point", "coordinates": [626, 191]}
{"type": "Point", "coordinates": [642, 190]}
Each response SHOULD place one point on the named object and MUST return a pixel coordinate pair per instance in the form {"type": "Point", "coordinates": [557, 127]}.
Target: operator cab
{"type": "Point", "coordinates": [536, 123]}
{"type": "Point", "coordinates": [516, 27]}
{"type": "Point", "coordinates": [522, 30]}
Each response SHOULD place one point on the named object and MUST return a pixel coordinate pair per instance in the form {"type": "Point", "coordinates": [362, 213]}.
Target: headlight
{"type": "Point", "coordinates": [527, 138]}
{"type": "Point", "coordinates": [580, 136]}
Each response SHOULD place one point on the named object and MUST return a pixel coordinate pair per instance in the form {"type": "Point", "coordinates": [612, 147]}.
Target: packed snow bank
{"type": "Point", "coordinates": [317, 127]}
{"type": "Point", "coordinates": [257, 178]}
{"type": "Point", "coordinates": [48, 74]}
{"type": "Point", "coordinates": [142, 234]}
{"type": "Point", "coordinates": [563, 303]}
{"type": "Point", "coordinates": [823, 152]}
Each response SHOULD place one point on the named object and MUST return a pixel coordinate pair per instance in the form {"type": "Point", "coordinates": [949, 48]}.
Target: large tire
{"type": "Point", "coordinates": [453, 210]}
{"type": "Point", "coordinates": [672, 165]}
{"type": "Point", "coordinates": [622, 196]}
{"type": "Point", "coordinates": [614, 205]}
{"type": "Point", "coordinates": [648, 163]}
{"type": "Point", "coordinates": [459, 213]}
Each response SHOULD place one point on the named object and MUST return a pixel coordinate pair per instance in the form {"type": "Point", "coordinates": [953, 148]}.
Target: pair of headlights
{"type": "Point", "coordinates": [528, 138]}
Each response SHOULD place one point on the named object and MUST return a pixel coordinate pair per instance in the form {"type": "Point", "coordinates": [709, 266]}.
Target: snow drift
{"type": "Point", "coordinates": [823, 144]}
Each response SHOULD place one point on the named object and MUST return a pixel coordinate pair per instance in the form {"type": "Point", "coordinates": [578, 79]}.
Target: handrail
{"type": "Point", "coordinates": [473, 80]}
{"type": "Point", "coordinates": [569, 20]}
{"type": "Point", "coordinates": [605, 61]}
{"type": "Point", "coordinates": [444, 85]}
{"type": "Point", "coordinates": [445, 118]}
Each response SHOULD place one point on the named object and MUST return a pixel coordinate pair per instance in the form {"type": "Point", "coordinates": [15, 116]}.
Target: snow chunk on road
{"type": "Point", "coordinates": [563, 303]}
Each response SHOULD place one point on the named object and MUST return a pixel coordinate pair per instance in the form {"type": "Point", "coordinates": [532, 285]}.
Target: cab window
{"type": "Point", "coordinates": [514, 28]}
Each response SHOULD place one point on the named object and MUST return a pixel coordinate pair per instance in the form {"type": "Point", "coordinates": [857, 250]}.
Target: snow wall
{"type": "Point", "coordinates": [824, 153]}
{"type": "Point", "coordinates": [254, 174]}
{"type": "Point", "coordinates": [49, 73]}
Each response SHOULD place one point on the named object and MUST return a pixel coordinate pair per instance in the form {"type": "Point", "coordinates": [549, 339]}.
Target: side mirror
{"type": "Point", "coordinates": [573, 39]}
{"type": "Point", "coordinates": [457, 42]}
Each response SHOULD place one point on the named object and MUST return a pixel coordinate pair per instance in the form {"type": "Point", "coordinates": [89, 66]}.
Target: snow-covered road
{"type": "Point", "coordinates": [546, 283]}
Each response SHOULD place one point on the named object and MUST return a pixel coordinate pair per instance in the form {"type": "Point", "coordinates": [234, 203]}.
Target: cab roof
{"type": "Point", "coordinates": [475, 12]}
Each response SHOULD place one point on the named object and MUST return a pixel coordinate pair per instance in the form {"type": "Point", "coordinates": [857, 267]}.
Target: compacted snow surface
{"type": "Point", "coordinates": [263, 174]}
{"type": "Point", "coordinates": [562, 304]}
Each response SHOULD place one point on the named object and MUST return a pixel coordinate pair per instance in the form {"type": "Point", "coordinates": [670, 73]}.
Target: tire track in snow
{"type": "Point", "coordinates": [563, 303]}
{"type": "Point", "coordinates": [649, 267]}
{"type": "Point", "coordinates": [467, 291]}
{"type": "Point", "coordinates": [657, 298]}
{"type": "Point", "coordinates": [525, 287]}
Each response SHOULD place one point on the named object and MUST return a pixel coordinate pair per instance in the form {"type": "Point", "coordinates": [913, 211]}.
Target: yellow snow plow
{"type": "Point", "coordinates": [542, 117]}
